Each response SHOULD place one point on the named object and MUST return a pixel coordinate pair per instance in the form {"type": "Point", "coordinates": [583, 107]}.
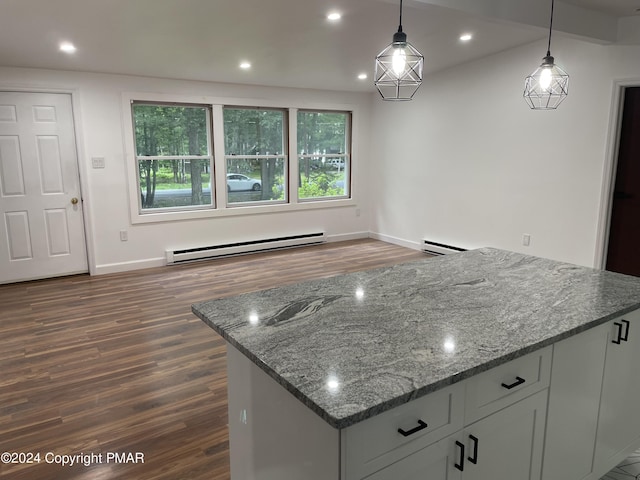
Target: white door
{"type": "Point", "coordinates": [41, 226]}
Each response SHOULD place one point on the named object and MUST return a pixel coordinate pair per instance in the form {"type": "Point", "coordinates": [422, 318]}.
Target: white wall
{"type": "Point", "coordinates": [99, 123]}
{"type": "Point", "coordinates": [467, 163]}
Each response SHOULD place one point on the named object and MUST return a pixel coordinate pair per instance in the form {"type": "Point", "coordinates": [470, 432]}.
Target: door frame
{"type": "Point", "coordinates": [610, 169]}
{"type": "Point", "coordinates": [85, 195]}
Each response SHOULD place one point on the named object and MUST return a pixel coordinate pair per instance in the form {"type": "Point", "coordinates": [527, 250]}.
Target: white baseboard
{"type": "Point", "coordinates": [129, 266]}
{"type": "Point", "coordinates": [347, 236]}
{"type": "Point", "coordinates": [161, 262]}
{"type": "Point", "coordinates": [396, 241]}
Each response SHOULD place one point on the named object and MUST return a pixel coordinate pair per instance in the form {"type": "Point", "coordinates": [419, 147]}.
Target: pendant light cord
{"type": "Point", "coordinates": [550, 28]}
{"type": "Point", "coordinates": [400, 25]}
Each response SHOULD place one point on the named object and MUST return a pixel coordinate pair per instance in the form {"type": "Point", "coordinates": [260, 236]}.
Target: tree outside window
{"type": "Point", "coordinates": [255, 154]}
{"type": "Point", "coordinates": [174, 162]}
{"type": "Point", "coordinates": [173, 153]}
{"type": "Point", "coordinates": [323, 154]}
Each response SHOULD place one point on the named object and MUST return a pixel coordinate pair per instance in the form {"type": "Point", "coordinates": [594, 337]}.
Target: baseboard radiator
{"type": "Point", "coordinates": [241, 248]}
{"type": "Point", "coordinates": [439, 248]}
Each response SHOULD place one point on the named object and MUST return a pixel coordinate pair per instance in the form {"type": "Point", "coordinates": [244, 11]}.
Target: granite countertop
{"type": "Point", "coordinates": [355, 345]}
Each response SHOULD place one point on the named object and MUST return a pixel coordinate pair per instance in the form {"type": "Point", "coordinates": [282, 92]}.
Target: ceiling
{"type": "Point", "coordinates": [289, 43]}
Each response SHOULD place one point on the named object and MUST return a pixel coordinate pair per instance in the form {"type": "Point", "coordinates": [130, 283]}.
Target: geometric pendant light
{"type": "Point", "coordinates": [398, 72]}
{"type": "Point", "coordinates": [548, 85]}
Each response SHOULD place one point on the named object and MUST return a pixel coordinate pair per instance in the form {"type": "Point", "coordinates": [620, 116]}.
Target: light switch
{"type": "Point", "coordinates": [97, 162]}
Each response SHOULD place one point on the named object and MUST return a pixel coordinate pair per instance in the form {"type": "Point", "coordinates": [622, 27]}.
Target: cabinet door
{"type": "Point", "coordinates": [433, 462]}
{"type": "Point", "coordinates": [619, 421]}
{"type": "Point", "coordinates": [507, 444]}
{"type": "Point", "coordinates": [574, 401]}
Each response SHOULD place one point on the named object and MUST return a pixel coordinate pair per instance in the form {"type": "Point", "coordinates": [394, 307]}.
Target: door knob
{"type": "Point", "coordinates": [74, 201]}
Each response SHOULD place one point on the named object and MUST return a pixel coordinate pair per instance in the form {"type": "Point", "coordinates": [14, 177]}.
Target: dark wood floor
{"type": "Point", "coordinates": [118, 363]}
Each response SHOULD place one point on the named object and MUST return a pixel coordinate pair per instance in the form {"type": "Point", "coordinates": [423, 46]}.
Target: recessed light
{"type": "Point", "coordinates": [362, 76]}
{"type": "Point", "coordinates": [334, 16]}
{"type": "Point", "coordinates": [245, 65]}
{"type": "Point", "coordinates": [465, 37]}
{"type": "Point", "coordinates": [67, 47]}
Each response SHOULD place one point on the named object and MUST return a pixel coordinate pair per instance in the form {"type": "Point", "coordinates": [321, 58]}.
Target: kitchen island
{"type": "Point", "coordinates": [391, 372]}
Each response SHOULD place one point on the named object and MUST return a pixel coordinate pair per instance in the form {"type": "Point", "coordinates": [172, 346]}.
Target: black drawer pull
{"type": "Point", "coordinates": [625, 337]}
{"type": "Point", "coordinates": [474, 459]}
{"type": "Point", "coordinates": [618, 337]}
{"type": "Point", "coordinates": [421, 426]}
{"type": "Point", "coordinates": [460, 466]}
{"type": "Point", "coordinates": [519, 381]}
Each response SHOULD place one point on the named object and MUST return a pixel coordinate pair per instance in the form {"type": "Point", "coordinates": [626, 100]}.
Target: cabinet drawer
{"type": "Point", "coordinates": [505, 384]}
{"type": "Point", "coordinates": [372, 444]}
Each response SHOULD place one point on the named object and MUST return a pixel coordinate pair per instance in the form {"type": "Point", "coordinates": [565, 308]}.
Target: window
{"type": "Point", "coordinates": [255, 155]}
{"type": "Point", "coordinates": [173, 156]}
{"type": "Point", "coordinates": [194, 157]}
{"type": "Point", "coordinates": [323, 154]}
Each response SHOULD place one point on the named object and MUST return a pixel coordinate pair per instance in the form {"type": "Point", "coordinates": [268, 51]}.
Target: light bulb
{"type": "Point", "coordinates": [545, 78]}
{"type": "Point", "coordinates": [399, 61]}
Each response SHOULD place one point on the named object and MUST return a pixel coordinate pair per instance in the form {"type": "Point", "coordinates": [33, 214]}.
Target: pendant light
{"type": "Point", "coordinates": [548, 86]}
{"type": "Point", "coordinates": [398, 73]}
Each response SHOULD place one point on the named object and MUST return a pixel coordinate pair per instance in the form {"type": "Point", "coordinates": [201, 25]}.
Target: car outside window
{"type": "Point", "coordinates": [173, 156]}
{"type": "Point", "coordinates": [255, 155]}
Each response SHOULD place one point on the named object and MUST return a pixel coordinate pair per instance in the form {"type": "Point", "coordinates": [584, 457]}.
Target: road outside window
{"type": "Point", "coordinates": [173, 155]}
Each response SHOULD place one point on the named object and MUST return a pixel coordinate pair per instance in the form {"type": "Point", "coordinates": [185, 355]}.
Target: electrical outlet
{"type": "Point", "coordinates": [124, 235]}
{"type": "Point", "coordinates": [526, 239]}
{"type": "Point", "coordinates": [97, 162]}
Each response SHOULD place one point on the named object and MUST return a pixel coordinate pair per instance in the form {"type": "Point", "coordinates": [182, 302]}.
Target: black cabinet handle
{"type": "Point", "coordinates": [519, 381]}
{"type": "Point", "coordinates": [625, 337]}
{"type": "Point", "coordinates": [460, 466]}
{"type": "Point", "coordinates": [421, 426]}
{"type": "Point", "coordinates": [618, 337]}
{"type": "Point", "coordinates": [474, 458]}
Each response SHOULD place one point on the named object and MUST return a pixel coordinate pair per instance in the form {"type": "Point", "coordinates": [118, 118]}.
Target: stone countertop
{"type": "Point", "coordinates": [352, 346]}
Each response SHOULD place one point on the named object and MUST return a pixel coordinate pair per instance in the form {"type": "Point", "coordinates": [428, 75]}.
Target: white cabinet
{"type": "Point", "coordinates": [507, 444]}
{"type": "Point", "coordinates": [272, 435]}
{"type": "Point", "coordinates": [506, 384]}
{"type": "Point", "coordinates": [619, 420]}
{"type": "Point", "coordinates": [434, 462]}
{"type": "Point", "coordinates": [592, 418]}
{"type": "Point", "coordinates": [574, 401]}
{"type": "Point", "coordinates": [491, 426]}
{"type": "Point", "coordinates": [502, 435]}
{"type": "Point", "coordinates": [382, 440]}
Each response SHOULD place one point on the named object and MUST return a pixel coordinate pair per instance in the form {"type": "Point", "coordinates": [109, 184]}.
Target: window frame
{"type": "Point", "coordinates": [285, 156]}
{"type": "Point", "coordinates": [137, 158]}
{"type": "Point", "coordinates": [346, 155]}
{"type": "Point", "coordinates": [218, 164]}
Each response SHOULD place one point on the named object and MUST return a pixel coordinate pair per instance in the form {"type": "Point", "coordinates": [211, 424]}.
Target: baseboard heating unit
{"type": "Point", "coordinates": [239, 248]}
{"type": "Point", "coordinates": [440, 248]}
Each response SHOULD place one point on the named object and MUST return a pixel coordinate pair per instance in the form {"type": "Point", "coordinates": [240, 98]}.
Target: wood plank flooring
{"type": "Point", "coordinates": [118, 363]}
